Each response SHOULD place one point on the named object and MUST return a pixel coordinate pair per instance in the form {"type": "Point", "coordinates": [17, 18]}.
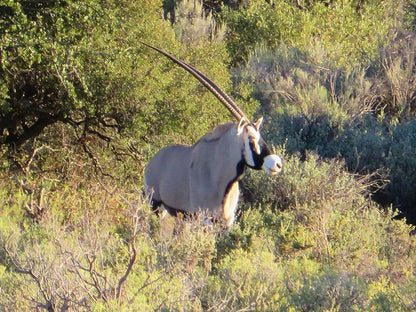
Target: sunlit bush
{"type": "Point", "coordinates": [313, 230]}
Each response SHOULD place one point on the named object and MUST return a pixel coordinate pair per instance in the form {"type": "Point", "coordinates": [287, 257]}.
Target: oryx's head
{"type": "Point", "coordinates": [257, 154]}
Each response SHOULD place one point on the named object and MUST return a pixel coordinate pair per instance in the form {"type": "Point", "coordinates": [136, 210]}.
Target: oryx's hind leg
{"type": "Point", "coordinates": [162, 212]}
{"type": "Point", "coordinates": [157, 205]}
{"type": "Point", "coordinates": [161, 209]}
{"type": "Point", "coordinates": [185, 215]}
{"type": "Point", "coordinates": [158, 208]}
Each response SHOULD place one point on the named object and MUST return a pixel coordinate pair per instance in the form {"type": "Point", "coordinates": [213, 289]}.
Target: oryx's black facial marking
{"type": "Point", "coordinates": [259, 158]}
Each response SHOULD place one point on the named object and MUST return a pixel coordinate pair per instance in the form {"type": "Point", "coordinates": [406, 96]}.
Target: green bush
{"type": "Point", "coordinates": [322, 198]}
{"type": "Point", "coordinates": [75, 232]}
{"type": "Point", "coordinates": [350, 32]}
{"type": "Point", "coordinates": [370, 145]}
{"type": "Point", "coordinates": [306, 104]}
{"type": "Point", "coordinates": [80, 71]}
{"type": "Point", "coordinates": [402, 164]}
{"type": "Point", "coordinates": [304, 183]}
{"type": "Point", "coordinates": [84, 253]}
{"type": "Point", "coordinates": [99, 247]}
{"type": "Point", "coordinates": [351, 112]}
{"type": "Point", "coordinates": [329, 291]}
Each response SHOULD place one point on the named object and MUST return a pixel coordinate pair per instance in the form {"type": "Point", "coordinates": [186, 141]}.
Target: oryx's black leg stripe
{"type": "Point", "coordinates": [240, 169]}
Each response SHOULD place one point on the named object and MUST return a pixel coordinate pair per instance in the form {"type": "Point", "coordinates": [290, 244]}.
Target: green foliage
{"type": "Point", "coordinates": [78, 85]}
{"type": "Point", "coordinates": [307, 104]}
{"type": "Point", "coordinates": [310, 105]}
{"type": "Point", "coordinates": [370, 145]}
{"type": "Point", "coordinates": [193, 24]}
{"type": "Point", "coordinates": [350, 32]}
{"type": "Point", "coordinates": [350, 112]}
{"type": "Point", "coordinates": [329, 291]}
{"type": "Point", "coordinates": [84, 66]}
{"type": "Point", "coordinates": [77, 257]}
{"type": "Point", "coordinates": [89, 105]}
{"type": "Point", "coordinates": [397, 90]}
{"type": "Point", "coordinates": [96, 248]}
{"type": "Point", "coordinates": [311, 181]}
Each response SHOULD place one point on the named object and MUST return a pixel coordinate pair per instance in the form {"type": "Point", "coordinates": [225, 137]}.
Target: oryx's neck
{"type": "Point", "coordinates": [216, 161]}
{"type": "Point", "coordinates": [227, 155]}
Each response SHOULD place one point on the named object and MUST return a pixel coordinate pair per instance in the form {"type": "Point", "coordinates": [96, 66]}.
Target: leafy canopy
{"type": "Point", "coordinates": [82, 64]}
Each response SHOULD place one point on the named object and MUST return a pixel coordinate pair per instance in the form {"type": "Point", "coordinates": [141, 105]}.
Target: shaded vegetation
{"type": "Point", "coordinates": [83, 106]}
{"type": "Point", "coordinates": [357, 113]}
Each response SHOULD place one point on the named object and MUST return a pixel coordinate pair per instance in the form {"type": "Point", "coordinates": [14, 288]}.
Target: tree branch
{"type": "Point", "coordinates": [19, 269]}
{"type": "Point", "coordinates": [128, 270]}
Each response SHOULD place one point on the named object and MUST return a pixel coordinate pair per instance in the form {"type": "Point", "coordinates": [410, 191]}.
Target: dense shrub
{"type": "Point", "coordinates": [75, 232]}
{"type": "Point", "coordinates": [350, 32]}
{"type": "Point", "coordinates": [304, 183]}
{"type": "Point", "coordinates": [370, 145]}
{"type": "Point", "coordinates": [194, 25]}
{"type": "Point", "coordinates": [96, 247]}
{"type": "Point", "coordinates": [82, 70]}
{"type": "Point", "coordinates": [306, 104]}
{"type": "Point", "coordinates": [84, 253]}
{"type": "Point", "coordinates": [354, 113]}
{"type": "Point", "coordinates": [329, 291]}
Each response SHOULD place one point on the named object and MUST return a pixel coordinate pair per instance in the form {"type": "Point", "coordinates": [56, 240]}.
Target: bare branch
{"type": "Point", "coordinates": [128, 269]}
{"type": "Point", "coordinates": [94, 159]}
{"type": "Point", "coordinates": [19, 268]}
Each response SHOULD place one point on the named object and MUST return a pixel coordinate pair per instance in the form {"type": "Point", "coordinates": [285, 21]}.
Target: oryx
{"type": "Point", "coordinates": [204, 177]}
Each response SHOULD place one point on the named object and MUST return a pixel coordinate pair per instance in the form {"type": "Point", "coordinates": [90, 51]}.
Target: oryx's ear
{"type": "Point", "coordinates": [241, 124]}
{"type": "Point", "coordinates": [258, 123]}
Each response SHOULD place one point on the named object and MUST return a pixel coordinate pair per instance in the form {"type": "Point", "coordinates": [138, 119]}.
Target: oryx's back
{"type": "Point", "coordinates": [167, 170]}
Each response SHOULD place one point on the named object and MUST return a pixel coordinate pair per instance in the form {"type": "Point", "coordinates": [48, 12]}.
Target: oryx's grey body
{"type": "Point", "coordinates": [204, 177]}
{"type": "Point", "coordinates": [199, 177]}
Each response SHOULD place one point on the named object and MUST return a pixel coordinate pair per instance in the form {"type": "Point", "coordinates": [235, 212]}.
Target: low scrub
{"type": "Point", "coordinates": [311, 240]}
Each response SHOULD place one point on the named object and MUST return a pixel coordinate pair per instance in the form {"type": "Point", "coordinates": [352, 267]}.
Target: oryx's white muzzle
{"type": "Point", "coordinates": [272, 164]}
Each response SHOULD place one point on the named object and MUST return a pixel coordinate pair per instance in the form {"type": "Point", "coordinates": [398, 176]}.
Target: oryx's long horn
{"type": "Point", "coordinates": [208, 83]}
